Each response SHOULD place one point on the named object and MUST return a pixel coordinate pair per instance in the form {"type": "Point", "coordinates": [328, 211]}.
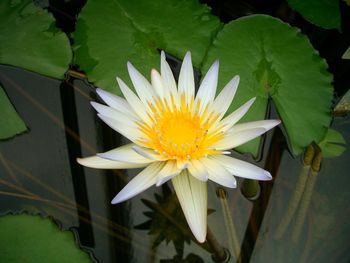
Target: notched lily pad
{"type": "Point", "coordinates": [26, 238]}
{"type": "Point", "coordinates": [325, 13]}
{"type": "Point", "coordinates": [30, 40]}
{"type": "Point", "coordinates": [10, 122]}
{"type": "Point", "coordinates": [274, 60]}
{"type": "Point", "coordinates": [130, 32]}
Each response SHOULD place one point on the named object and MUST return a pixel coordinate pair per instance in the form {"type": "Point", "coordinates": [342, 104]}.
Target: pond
{"type": "Point", "coordinates": [301, 215]}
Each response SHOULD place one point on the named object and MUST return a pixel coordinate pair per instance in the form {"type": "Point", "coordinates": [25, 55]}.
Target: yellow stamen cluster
{"type": "Point", "coordinates": [180, 132]}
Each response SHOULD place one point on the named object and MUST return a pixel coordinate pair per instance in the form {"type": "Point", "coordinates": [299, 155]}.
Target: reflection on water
{"type": "Point", "coordinates": [38, 174]}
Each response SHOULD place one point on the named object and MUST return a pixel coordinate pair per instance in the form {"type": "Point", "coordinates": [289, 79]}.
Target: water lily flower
{"type": "Point", "coordinates": [178, 136]}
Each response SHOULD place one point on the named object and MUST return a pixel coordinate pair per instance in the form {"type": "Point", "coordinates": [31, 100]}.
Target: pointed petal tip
{"type": "Point", "coordinates": [267, 176]}
{"type": "Point", "coordinates": [154, 73]}
{"type": "Point", "coordinates": [94, 104]}
{"type": "Point", "coordinates": [162, 54]}
{"type": "Point", "coordinates": [118, 80]}
{"type": "Point", "coordinates": [115, 200]}
{"type": "Point", "coordinates": [231, 184]}
{"type": "Point", "coordinates": [86, 161]}
{"type": "Point", "coordinates": [217, 63]}
{"type": "Point", "coordinates": [120, 197]}
{"type": "Point", "coordinates": [250, 102]}
{"type": "Point", "coordinates": [99, 90]}
{"type": "Point", "coordinates": [200, 235]}
{"type": "Point", "coordinates": [273, 123]}
{"type": "Point", "coordinates": [131, 69]}
{"type": "Point", "coordinates": [187, 58]}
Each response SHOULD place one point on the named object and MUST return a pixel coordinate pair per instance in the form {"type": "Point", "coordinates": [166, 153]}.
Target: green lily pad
{"type": "Point", "coordinates": [30, 40]}
{"type": "Point", "coordinates": [26, 238]}
{"type": "Point", "coordinates": [274, 60]}
{"type": "Point", "coordinates": [325, 13]}
{"type": "Point", "coordinates": [110, 33]}
{"type": "Point", "coordinates": [333, 145]}
{"type": "Point", "coordinates": [10, 122]}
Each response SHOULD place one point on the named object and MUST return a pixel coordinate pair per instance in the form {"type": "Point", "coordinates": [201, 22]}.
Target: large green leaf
{"type": "Point", "coordinates": [25, 238]}
{"type": "Point", "coordinates": [275, 61]}
{"type": "Point", "coordinates": [29, 39]}
{"type": "Point", "coordinates": [324, 13]}
{"type": "Point", "coordinates": [110, 33]}
{"type": "Point", "coordinates": [10, 123]}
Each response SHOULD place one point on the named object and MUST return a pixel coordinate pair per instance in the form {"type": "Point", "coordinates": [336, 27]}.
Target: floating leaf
{"type": "Point", "coordinates": [325, 13]}
{"type": "Point", "coordinates": [333, 145]}
{"type": "Point", "coordinates": [10, 122]}
{"type": "Point", "coordinates": [110, 33]}
{"type": "Point", "coordinates": [275, 61]}
{"type": "Point", "coordinates": [26, 238]}
{"type": "Point", "coordinates": [29, 39]}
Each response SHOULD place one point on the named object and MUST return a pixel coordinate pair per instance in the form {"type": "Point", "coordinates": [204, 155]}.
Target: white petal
{"type": "Point", "coordinates": [133, 101]}
{"type": "Point", "coordinates": [193, 198]}
{"type": "Point", "coordinates": [114, 114]}
{"type": "Point", "coordinates": [125, 154]}
{"type": "Point", "coordinates": [186, 78]}
{"type": "Point", "coordinates": [130, 132]}
{"type": "Point", "coordinates": [168, 78]}
{"type": "Point", "coordinates": [242, 133]}
{"type": "Point", "coordinates": [147, 153]}
{"type": "Point", "coordinates": [234, 139]}
{"type": "Point", "coordinates": [242, 169]}
{"type": "Point", "coordinates": [101, 163]}
{"type": "Point", "coordinates": [142, 86]}
{"type": "Point", "coordinates": [169, 171]}
{"type": "Point", "coordinates": [265, 124]}
{"type": "Point", "coordinates": [207, 89]}
{"type": "Point", "coordinates": [145, 179]}
{"type": "Point", "coordinates": [218, 173]}
{"type": "Point", "coordinates": [224, 99]}
{"type": "Point", "coordinates": [198, 170]}
{"type": "Point", "coordinates": [116, 102]}
{"type": "Point", "coordinates": [158, 85]}
{"type": "Point", "coordinates": [235, 116]}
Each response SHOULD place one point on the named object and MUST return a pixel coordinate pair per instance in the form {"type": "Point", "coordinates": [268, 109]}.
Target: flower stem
{"type": "Point", "coordinates": [219, 252]}
{"type": "Point", "coordinates": [231, 230]}
{"type": "Point", "coordinates": [305, 203]}
{"type": "Point", "coordinates": [298, 192]}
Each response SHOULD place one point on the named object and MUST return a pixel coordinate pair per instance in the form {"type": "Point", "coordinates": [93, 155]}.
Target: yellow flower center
{"type": "Point", "coordinates": [180, 132]}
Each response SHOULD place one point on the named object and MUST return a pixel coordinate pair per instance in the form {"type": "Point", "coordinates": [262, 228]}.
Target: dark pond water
{"type": "Point", "coordinates": [39, 175]}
